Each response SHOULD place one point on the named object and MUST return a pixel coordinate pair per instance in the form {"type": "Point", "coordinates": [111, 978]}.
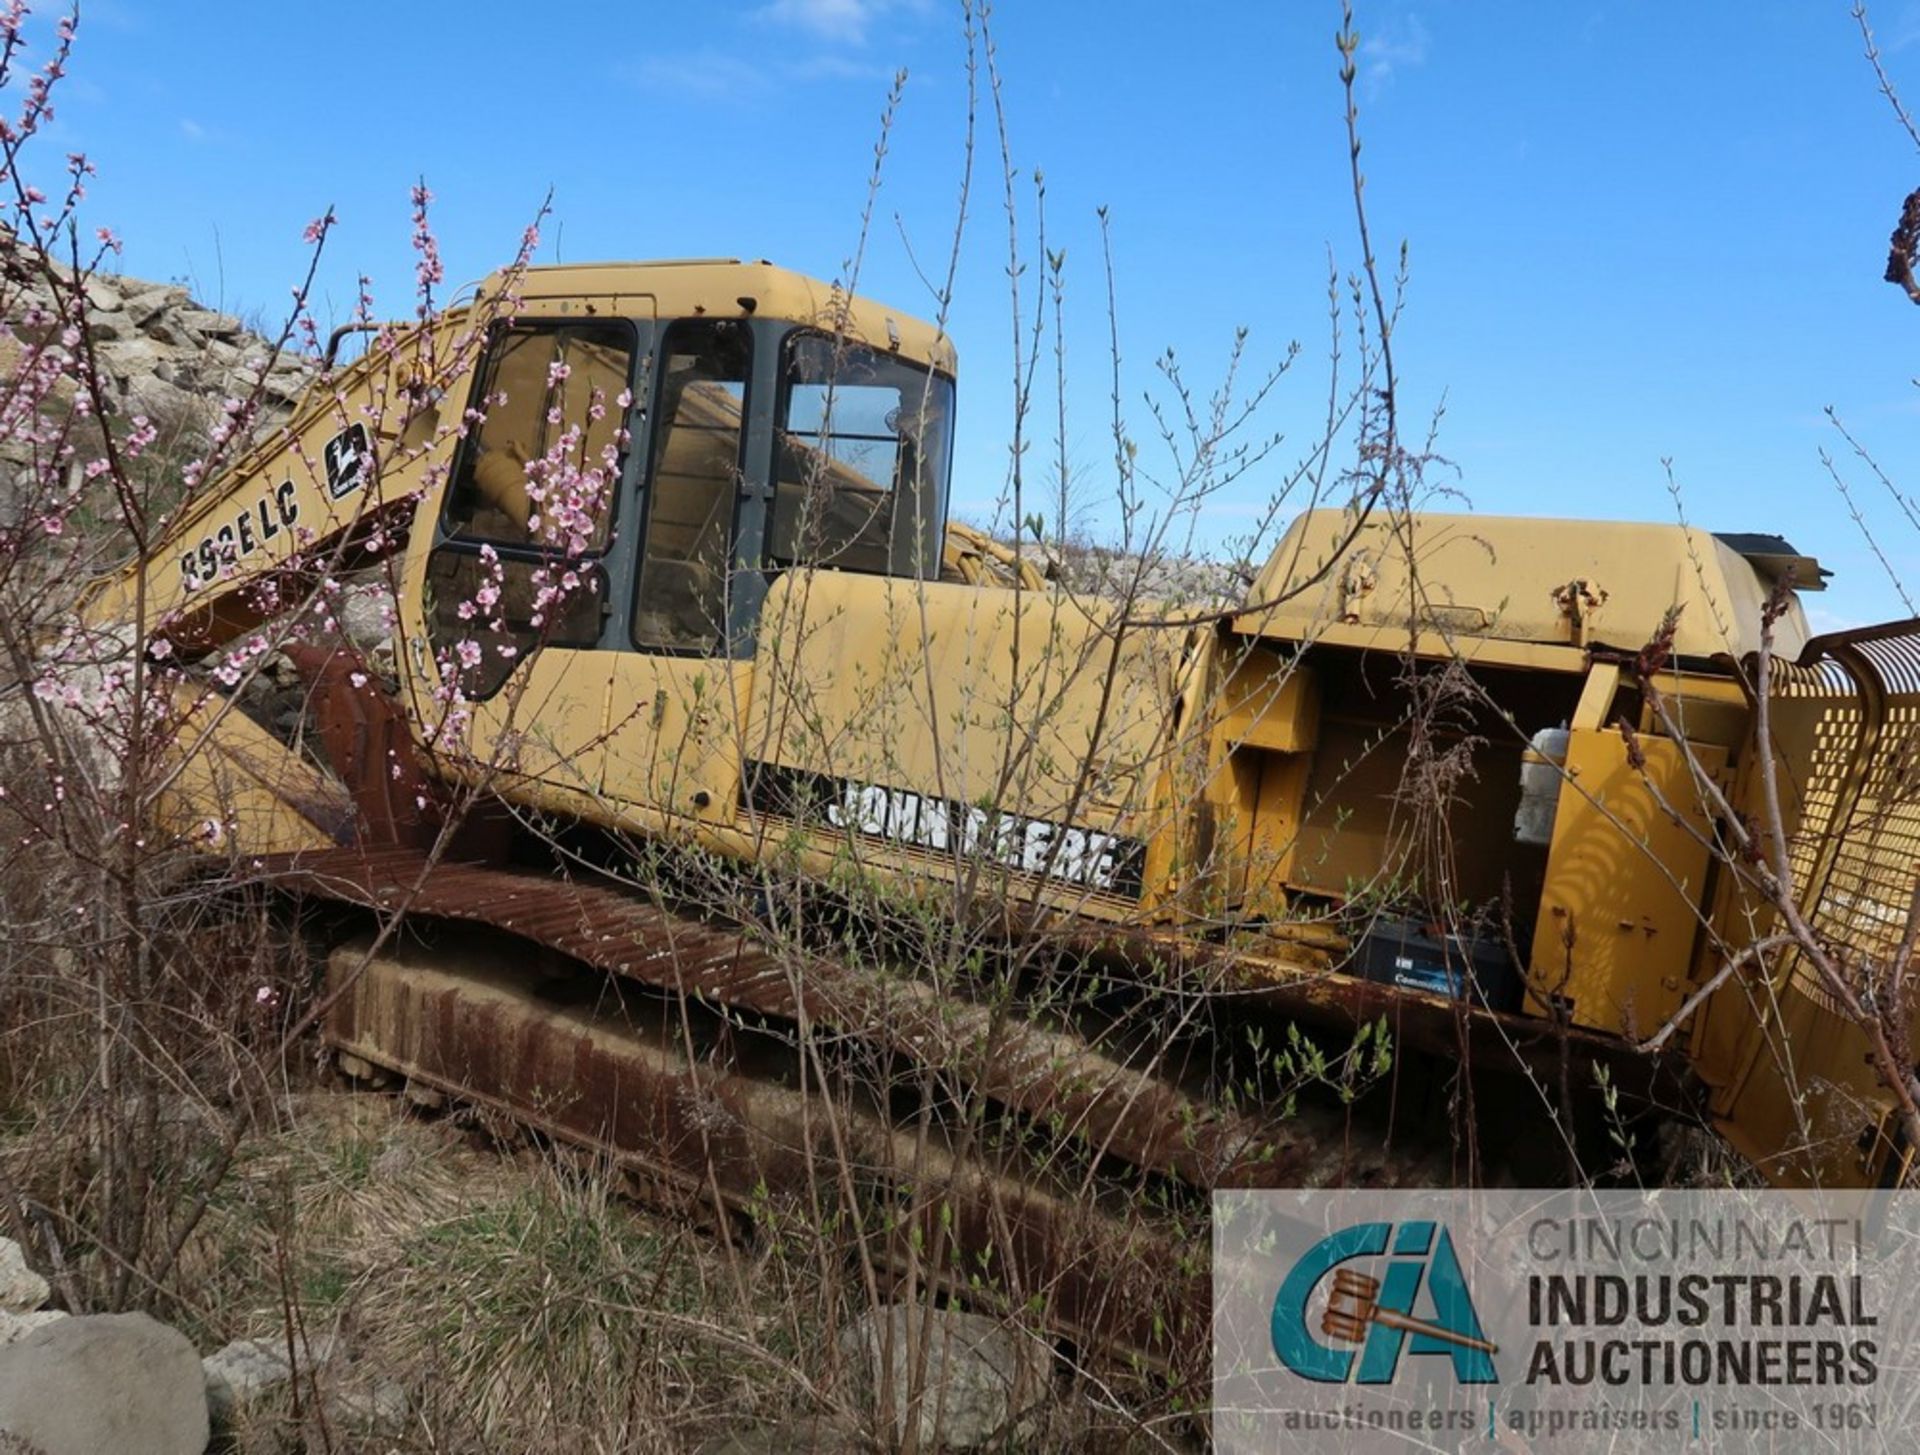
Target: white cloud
{"type": "Point", "coordinates": [838, 20]}
{"type": "Point", "coordinates": [192, 130]}
{"type": "Point", "coordinates": [110, 14]}
{"type": "Point", "coordinates": [841, 22]}
{"type": "Point", "coordinates": [710, 75]}
{"type": "Point", "coordinates": [1823, 619]}
{"type": "Point", "coordinates": [1397, 46]}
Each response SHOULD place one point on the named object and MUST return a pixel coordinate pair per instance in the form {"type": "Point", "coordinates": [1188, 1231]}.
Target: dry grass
{"type": "Point", "coordinates": [507, 1293]}
{"type": "Point", "coordinates": [516, 1297]}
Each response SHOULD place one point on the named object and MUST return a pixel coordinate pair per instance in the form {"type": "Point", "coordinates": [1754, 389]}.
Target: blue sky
{"type": "Point", "coordinates": [1637, 230]}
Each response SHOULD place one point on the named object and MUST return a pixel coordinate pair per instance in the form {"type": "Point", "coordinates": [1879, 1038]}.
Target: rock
{"type": "Point", "coordinates": [382, 1409]}
{"type": "Point", "coordinates": [157, 399]}
{"type": "Point", "coordinates": [149, 302]}
{"type": "Point", "coordinates": [980, 1374]}
{"type": "Point", "coordinates": [103, 1384]}
{"type": "Point", "coordinates": [21, 1289]}
{"type": "Point", "coordinates": [172, 1113]}
{"type": "Point", "coordinates": [239, 1374]}
{"type": "Point", "coordinates": [283, 388]}
{"type": "Point", "coordinates": [386, 665]}
{"type": "Point", "coordinates": [205, 323]}
{"type": "Point", "coordinates": [161, 353]}
{"type": "Point", "coordinates": [15, 1327]}
{"type": "Point", "coordinates": [102, 295]}
{"type": "Point", "coordinates": [278, 669]}
{"type": "Point", "coordinates": [365, 614]}
{"type": "Point", "coordinates": [108, 328]}
{"type": "Point", "coordinates": [162, 329]}
{"type": "Point", "coordinates": [129, 358]}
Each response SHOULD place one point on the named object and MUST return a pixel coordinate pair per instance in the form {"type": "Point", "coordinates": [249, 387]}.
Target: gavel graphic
{"type": "Point", "coordinates": [1355, 1303]}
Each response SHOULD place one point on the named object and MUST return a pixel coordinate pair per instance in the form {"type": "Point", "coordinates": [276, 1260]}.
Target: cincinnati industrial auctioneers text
{"type": "Point", "coordinates": [1785, 1326]}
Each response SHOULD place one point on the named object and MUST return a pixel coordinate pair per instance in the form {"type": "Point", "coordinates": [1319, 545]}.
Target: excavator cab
{"type": "Point", "coordinates": [648, 460]}
{"type": "Point", "coordinates": [672, 467]}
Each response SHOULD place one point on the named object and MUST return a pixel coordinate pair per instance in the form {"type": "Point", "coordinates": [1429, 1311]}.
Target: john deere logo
{"type": "Point", "coordinates": [346, 457]}
{"type": "Point", "coordinates": [1418, 1305]}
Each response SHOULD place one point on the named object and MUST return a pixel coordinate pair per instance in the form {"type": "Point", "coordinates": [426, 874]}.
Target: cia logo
{"type": "Point", "coordinates": [1378, 1314]}
{"type": "Point", "coordinates": [347, 456]}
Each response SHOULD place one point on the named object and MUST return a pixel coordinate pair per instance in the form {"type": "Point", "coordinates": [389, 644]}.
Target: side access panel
{"type": "Point", "coordinates": [1624, 885]}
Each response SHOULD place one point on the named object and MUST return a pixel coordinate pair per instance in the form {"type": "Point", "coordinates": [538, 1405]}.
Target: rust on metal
{"type": "Point", "coordinates": [370, 745]}
{"type": "Point", "coordinates": [1051, 1077]}
{"type": "Point", "coordinates": [591, 1067]}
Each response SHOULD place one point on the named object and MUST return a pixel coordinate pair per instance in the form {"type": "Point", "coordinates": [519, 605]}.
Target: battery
{"type": "Point", "coordinates": [1417, 954]}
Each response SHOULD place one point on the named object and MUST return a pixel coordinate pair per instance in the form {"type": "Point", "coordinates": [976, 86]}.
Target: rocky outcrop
{"type": "Point", "coordinates": [159, 353]}
{"type": "Point", "coordinates": [1185, 581]}
{"type": "Point", "coordinates": [164, 355]}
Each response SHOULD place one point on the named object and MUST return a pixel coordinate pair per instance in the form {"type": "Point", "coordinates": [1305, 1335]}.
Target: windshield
{"type": "Point", "coordinates": [861, 475]}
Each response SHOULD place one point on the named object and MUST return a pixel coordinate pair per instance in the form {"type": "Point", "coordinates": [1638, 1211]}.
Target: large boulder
{"type": "Point", "coordinates": [981, 1376]}
{"type": "Point", "coordinates": [103, 1384]}
{"type": "Point", "coordinates": [366, 615]}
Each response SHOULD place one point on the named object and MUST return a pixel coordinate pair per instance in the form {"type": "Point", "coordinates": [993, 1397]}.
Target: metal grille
{"type": "Point", "coordinates": [1847, 729]}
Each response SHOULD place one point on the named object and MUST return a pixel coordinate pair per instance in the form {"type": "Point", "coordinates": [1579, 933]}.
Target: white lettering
{"type": "Point", "coordinates": [1039, 839]}
{"type": "Point", "coordinates": [873, 811]}
{"type": "Point", "coordinates": [1064, 852]}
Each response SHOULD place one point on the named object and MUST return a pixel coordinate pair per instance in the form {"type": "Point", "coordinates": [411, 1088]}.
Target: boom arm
{"type": "Point", "coordinates": [346, 471]}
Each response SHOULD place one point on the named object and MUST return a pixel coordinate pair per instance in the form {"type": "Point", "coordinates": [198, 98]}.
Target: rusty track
{"type": "Point", "coordinates": [616, 1075]}
{"type": "Point", "coordinates": [1050, 1077]}
{"type": "Point", "coordinates": [706, 1062]}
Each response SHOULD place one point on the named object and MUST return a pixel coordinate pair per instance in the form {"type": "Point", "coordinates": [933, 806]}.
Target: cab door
{"type": "Point", "coordinates": [678, 695]}
{"type": "Point", "coordinates": [517, 590]}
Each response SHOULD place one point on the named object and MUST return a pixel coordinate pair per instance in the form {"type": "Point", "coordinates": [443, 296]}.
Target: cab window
{"type": "Point", "coordinates": [541, 467]}
{"type": "Point", "coordinates": [680, 603]}
{"type": "Point", "coordinates": [862, 454]}
{"type": "Point", "coordinates": [530, 510]}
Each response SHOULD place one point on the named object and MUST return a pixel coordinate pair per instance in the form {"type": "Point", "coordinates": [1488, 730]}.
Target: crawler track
{"type": "Point", "coordinates": [962, 1145]}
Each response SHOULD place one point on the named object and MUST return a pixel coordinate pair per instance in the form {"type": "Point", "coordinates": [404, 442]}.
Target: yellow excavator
{"type": "Point", "coordinates": [671, 566]}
